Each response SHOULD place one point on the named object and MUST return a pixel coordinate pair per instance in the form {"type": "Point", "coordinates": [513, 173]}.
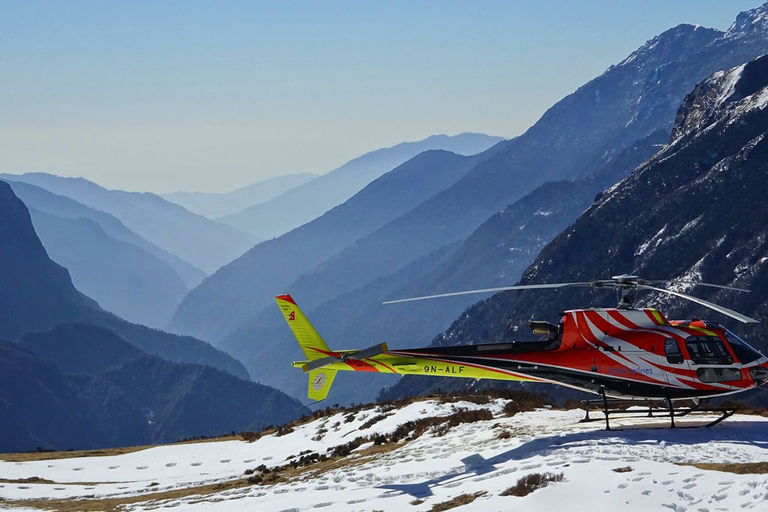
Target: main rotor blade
{"type": "Point", "coordinates": [720, 309]}
{"type": "Point", "coordinates": [701, 284]}
{"type": "Point", "coordinates": [490, 290]}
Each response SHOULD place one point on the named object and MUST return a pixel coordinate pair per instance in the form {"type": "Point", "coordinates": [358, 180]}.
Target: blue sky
{"type": "Point", "coordinates": [211, 95]}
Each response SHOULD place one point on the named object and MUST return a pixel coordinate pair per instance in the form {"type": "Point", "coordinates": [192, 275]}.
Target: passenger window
{"type": "Point", "coordinates": [707, 350]}
{"type": "Point", "coordinates": [718, 374]}
{"type": "Point", "coordinates": [672, 351]}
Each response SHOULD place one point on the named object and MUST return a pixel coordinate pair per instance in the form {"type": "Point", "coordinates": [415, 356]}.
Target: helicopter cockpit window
{"type": "Point", "coordinates": [672, 351]}
{"type": "Point", "coordinates": [707, 350]}
{"type": "Point", "coordinates": [743, 351]}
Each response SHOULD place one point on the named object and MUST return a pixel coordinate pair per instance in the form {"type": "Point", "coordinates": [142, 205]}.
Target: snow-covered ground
{"type": "Point", "coordinates": [414, 476]}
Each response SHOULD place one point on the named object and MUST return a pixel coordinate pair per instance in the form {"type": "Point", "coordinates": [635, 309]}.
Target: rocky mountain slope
{"type": "Point", "coordinates": [80, 377]}
{"type": "Point", "coordinates": [79, 386]}
{"type": "Point", "coordinates": [121, 277]}
{"type": "Point", "coordinates": [309, 201]}
{"type": "Point", "coordinates": [695, 211]}
{"type": "Point", "coordinates": [204, 243]}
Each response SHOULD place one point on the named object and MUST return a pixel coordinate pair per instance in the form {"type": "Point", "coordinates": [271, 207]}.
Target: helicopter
{"type": "Point", "coordinates": [621, 353]}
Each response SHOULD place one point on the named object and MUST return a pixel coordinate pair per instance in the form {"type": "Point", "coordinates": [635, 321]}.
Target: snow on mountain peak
{"type": "Point", "coordinates": [724, 94]}
{"type": "Point", "coordinates": [753, 20]}
{"type": "Point", "coordinates": [664, 40]}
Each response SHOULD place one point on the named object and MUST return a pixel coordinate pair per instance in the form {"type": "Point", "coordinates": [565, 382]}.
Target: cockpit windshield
{"type": "Point", "coordinates": [741, 348]}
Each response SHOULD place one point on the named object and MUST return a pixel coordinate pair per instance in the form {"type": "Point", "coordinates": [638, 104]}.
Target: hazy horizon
{"type": "Point", "coordinates": [184, 96]}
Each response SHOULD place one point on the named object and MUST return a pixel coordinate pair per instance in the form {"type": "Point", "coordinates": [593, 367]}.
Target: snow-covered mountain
{"type": "Point", "coordinates": [429, 248]}
{"type": "Point", "coordinates": [695, 211]}
{"type": "Point", "coordinates": [478, 455]}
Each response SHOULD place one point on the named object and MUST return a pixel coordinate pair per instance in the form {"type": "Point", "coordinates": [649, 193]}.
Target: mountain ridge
{"type": "Point", "coordinates": [219, 204]}
{"type": "Point", "coordinates": [45, 201]}
{"type": "Point", "coordinates": [306, 202]}
{"type": "Point", "coordinates": [276, 263]}
{"type": "Point", "coordinates": [204, 243]}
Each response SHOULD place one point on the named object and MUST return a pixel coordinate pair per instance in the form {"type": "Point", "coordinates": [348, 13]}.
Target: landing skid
{"type": "Point", "coordinates": [651, 409]}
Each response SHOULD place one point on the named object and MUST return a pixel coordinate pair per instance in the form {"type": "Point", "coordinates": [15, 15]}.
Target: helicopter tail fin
{"type": "Point", "coordinates": [320, 382]}
{"type": "Point", "coordinates": [310, 342]}
{"type": "Point", "coordinates": [313, 346]}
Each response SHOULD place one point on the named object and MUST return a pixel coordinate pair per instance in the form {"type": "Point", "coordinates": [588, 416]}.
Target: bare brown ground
{"type": "Point", "coordinates": [35, 456]}
{"type": "Point", "coordinates": [116, 504]}
{"type": "Point", "coordinates": [119, 503]}
{"type": "Point", "coordinates": [739, 468]}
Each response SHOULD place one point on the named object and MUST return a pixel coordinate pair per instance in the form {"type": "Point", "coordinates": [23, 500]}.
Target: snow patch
{"type": "Point", "coordinates": [468, 459]}
{"type": "Point", "coordinates": [654, 241]}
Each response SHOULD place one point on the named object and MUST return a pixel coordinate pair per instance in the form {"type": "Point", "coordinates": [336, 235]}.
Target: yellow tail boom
{"type": "Point", "coordinates": [322, 363]}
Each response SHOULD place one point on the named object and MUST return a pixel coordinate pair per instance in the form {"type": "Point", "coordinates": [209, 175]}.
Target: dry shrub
{"type": "Point", "coordinates": [439, 425]}
{"type": "Point", "coordinates": [573, 403]}
{"type": "Point", "coordinates": [345, 449]}
{"type": "Point", "coordinates": [284, 430]}
{"type": "Point", "coordinates": [524, 401]}
{"type": "Point", "coordinates": [371, 422]}
{"type": "Point", "coordinates": [250, 436]}
{"type": "Point", "coordinates": [744, 408]}
{"type": "Point", "coordinates": [529, 483]}
{"type": "Point", "coordinates": [458, 501]}
{"type": "Point", "coordinates": [504, 434]}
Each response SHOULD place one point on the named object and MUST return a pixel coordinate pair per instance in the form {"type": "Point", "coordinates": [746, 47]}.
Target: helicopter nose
{"type": "Point", "coordinates": [759, 374]}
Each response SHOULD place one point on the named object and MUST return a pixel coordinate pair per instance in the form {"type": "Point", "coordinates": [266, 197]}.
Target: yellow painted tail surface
{"type": "Point", "coordinates": [320, 382]}
{"type": "Point", "coordinates": [311, 343]}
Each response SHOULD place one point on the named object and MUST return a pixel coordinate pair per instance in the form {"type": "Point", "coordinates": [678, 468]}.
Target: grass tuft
{"type": "Point", "coordinates": [529, 483]}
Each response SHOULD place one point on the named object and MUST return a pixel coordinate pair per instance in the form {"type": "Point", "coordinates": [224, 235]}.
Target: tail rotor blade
{"type": "Point", "coordinates": [360, 354]}
{"type": "Point", "coordinates": [369, 352]}
{"type": "Point", "coordinates": [319, 363]}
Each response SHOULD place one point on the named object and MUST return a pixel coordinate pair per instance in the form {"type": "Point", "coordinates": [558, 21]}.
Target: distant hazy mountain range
{"type": "Point", "coordinates": [37, 294]}
{"type": "Point", "coordinates": [309, 201]}
{"type": "Point", "coordinates": [204, 243]}
{"type": "Point", "coordinates": [122, 271]}
{"type": "Point", "coordinates": [214, 205]}
{"type": "Point", "coordinates": [239, 289]}
{"type": "Point", "coordinates": [695, 211]}
{"type": "Point", "coordinates": [591, 139]}
{"type": "Point", "coordinates": [82, 377]}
